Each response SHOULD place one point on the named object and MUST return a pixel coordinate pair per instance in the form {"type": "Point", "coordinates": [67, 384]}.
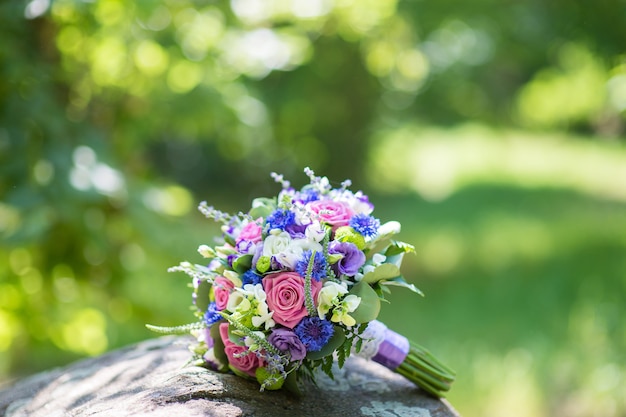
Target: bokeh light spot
{"type": "Point", "coordinates": [150, 58]}
{"type": "Point", "coordinates": [184, 76]}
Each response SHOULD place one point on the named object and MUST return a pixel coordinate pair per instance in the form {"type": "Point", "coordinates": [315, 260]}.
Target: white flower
{"type": "Point", "coordinates": [390, 228]}
{"type": "Point", "coordinates": [250, 342]}
{"type": "Point", "coordinates": [238, 302]}
{"type": "Point", "coordinates": [351, 302]}
{"type": "Point", "coordinates": [264, 318]}
{"type": "Point", "coordinates": [233, 277]}
{"type": "Point", "coordinates": [377, 259]}
{"type": "Point", "coordinates": [256, 296]}
{"type": "Point", "coordinates": [302, 216]}
{"type": "Point", "coordinates": [206, 251]}
{"type": "Point", "coordinates": [294, 251]}
{"type": "Point", "coordinates": [329, 297]}
{"type": "Point", "coordinates": [315, 232]}
{"type": "Point", "coordinates": [276, 243]}
{"type": "Point", "coordinates": [348, 305]}
{"type": "Point", "coordinates": [291, 255]}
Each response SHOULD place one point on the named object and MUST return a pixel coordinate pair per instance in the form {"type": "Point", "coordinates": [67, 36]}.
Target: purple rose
{"type": "Point", "coordinates": [287, 341]}
{"type": "Point", "coordinates": [353, 258]}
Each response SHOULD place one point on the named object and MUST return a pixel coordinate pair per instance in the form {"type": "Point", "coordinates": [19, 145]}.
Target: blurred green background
{"type": "Point", "coordinates": [493, 131]}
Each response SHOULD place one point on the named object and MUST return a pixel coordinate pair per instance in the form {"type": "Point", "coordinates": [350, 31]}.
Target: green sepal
{"type": "Point", "coordinates": [334, 342]}
{"type": "Point", "coordinates": [369, 307]}
{"type": "Point", "coordinates": [242, 264]}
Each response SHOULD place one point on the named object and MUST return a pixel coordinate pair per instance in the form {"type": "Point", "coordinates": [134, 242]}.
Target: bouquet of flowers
{"type": "Point", "coordinates": [296, 284]}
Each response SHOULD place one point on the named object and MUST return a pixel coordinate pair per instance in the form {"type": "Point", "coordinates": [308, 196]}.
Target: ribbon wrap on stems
{"type": "Point", "coordinates": [397, 353]}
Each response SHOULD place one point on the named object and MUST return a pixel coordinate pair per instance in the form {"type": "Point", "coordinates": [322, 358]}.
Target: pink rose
{"type": "Point", "coordinates": [251, 232]}
{"type": "Point", "coordinates": [285, 297]}
{"type": "Point", "coordinates": [222, 287]}
{"type": "Point", "coordinates": [245, 363]}
{"type": "Point", "coordinates": [335, 213]}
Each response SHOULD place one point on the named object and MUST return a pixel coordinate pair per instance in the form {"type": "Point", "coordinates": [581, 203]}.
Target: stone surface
{"type": "Point", "coordinates": [150, 379]}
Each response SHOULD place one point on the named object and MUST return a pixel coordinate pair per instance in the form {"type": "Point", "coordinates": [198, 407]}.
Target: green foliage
{"type": "Point", "coordinates": [369, 307]}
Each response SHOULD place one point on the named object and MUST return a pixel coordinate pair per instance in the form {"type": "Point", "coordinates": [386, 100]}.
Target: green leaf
{"type": "Point", "coordinates": [341, 356]}
{"type": "Point", "coordinates": [291, 384]}
{"type": "Point", "coordinates": [359, 344]}
{"type": "Point", "coordinates": [327, 367]}
{"type": "Point", "coordinates": [218, 344]}
{"type": "Point", "coordinates": [335, 341]}
{"type": "Point", "coordinates": [202, 295]}
{"type": "Point", "coordinates": [381, 272]}
{"type": "Point", "coordinates": [235, 336]}
{"type": "Point", "coordinates": [242, 264]}
{"type": "Point", "coordinates": [262, 207]}
{"type": "Point", "coordinates": [396, 248]}
{"type": "Point", "coordinates": [369, 307]}
{"type": "Point", "coordinates": [400, 282]}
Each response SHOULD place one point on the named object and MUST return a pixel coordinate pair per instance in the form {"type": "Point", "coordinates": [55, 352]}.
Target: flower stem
{"type": "Point", "coordinates": [426, 371]}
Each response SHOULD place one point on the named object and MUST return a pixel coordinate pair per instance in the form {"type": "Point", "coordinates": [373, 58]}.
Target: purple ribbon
{"type": "Point", "coordinates": [392, 351]}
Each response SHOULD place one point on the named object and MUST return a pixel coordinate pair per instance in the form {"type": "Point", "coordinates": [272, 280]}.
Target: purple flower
{"type": "Point", "coordinates": [296, 231]}
{"type": "Point", "coordinates": [287, 341]}
{"type": "Point", "coordinates": [352, 259]}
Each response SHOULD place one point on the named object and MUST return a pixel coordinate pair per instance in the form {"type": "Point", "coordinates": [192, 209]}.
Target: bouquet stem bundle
{"type": "Point", "coordinates": [406, 358]}
{"type": "Point", "coordinates": [426, 371]}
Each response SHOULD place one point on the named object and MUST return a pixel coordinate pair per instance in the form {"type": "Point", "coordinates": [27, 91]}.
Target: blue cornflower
{"type": "Point", "coordinates": [212, 314]}
{"type": "Point", "coordinates": [365, 225]}
{"type": "Point", "coordinates": [307, 195]}
{"type": "Point", "coordinates": [319, 265]}
{"type": "Point", "coordinates": [280, 219]}
{"type": "Point", "coordinates": [314, 333]}
{"type": "Point", "coordinates": [251, 277]}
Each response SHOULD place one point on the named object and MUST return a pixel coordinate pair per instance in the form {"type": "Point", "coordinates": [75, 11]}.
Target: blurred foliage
{"type": "Point", "coordinates": [493, 131]}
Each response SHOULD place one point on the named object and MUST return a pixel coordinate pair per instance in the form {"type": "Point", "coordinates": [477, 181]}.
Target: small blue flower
{"type": "Point", "coordinates": [280, 219]}
{"type": "Point", "coordinates": [212, 315]}
{"type": "Point", "coordinates": [251, 277]}
{"type": "Point", "coordinates": [319, 265]}
{"type": "Point", "coordinates": [307, 195]}
{"type": "Point", "coordinates": [314, 333]}
{"type": "Point", "coordinates": [365, 225]}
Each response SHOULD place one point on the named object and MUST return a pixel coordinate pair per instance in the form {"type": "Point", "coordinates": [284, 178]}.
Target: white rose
{"type": "Point", "coordinates": [276, 243]}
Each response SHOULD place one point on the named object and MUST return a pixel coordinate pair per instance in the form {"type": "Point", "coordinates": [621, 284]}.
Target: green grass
{"type": "Point", "coordinates": [525, 298]}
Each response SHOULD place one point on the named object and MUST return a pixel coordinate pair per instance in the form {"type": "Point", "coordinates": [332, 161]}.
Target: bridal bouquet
{"type": "Point", "coordinates": [296, 284]}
